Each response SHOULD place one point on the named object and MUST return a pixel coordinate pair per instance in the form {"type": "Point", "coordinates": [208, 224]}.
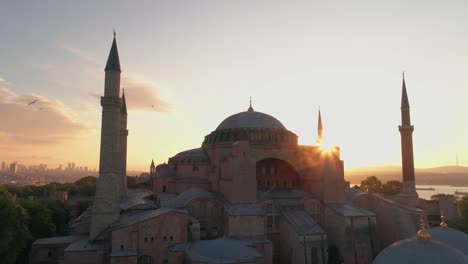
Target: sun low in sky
{"type": "Point", "coordinates": [187, 65]}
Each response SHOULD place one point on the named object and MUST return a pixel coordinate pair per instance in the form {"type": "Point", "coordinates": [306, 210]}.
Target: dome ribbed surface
{"type": "Point", "coordinates": [250, 120]}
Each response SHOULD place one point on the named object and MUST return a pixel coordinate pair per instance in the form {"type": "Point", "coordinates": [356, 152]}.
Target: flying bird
{"type": "Point", "coordinates": [33, 102]}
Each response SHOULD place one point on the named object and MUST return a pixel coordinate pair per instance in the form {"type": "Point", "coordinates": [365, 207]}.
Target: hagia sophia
{"type": "Point", "coordinates": [249, 194]}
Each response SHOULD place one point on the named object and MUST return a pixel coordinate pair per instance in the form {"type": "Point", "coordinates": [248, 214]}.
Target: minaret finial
{"type": "Point", "coordinates": [442, 220]}
{"type": "Point", "coordinates": [422, 233]}
{"type": "Point", "coordinates": [250, 107]}
{"type": "Point", "coordinates": [114, 33]}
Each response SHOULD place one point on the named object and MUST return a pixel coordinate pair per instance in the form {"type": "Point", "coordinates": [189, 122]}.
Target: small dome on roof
{"type": "Point", "coordinates": [413, 250]}
{"type": "Point", "coordinates": [250, 119]}
{"type": "Point", "coordinates": [451, 237]}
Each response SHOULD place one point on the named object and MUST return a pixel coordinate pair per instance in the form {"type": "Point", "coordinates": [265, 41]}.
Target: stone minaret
{"type": "Point", "coordinates": [406, 131]}
{"type": "Point", "coordinates": [152, 174]}
{"type": "Point", "coordinates": [109, 188]}
{"type": "Point", "coordinates": [319, 129]}
{"type": "Point", "coordinates": [123, 144]}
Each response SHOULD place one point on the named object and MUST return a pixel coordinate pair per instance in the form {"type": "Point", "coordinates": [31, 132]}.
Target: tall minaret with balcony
{"type": "Point", "coordinates": [109, 190]}
{"type": "Point", "coordinates": [406, 132]}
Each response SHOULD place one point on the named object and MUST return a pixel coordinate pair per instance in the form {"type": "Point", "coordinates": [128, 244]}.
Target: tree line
{"type": "Point", "coordinates": [27, 213]}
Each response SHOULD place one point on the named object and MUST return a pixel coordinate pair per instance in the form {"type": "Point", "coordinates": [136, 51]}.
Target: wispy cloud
{"type": "Point", "coordinates": [140, 95]}
{"type": "Point", "coordinates": [35, 119]}
{"type": "Point", "coordinates": [80, 53]}
{"type": "Point", "coordinates": [3, 81]}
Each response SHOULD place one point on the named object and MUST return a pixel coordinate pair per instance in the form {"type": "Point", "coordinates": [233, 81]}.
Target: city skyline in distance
{"type": "Point", "coordinates": [180, 76]}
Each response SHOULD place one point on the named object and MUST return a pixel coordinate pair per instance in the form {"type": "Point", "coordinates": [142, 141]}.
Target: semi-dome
{"type": "Point", "coordinates": [250, 119]}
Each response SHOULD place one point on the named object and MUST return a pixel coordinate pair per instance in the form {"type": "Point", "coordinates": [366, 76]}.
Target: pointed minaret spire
{"type": "Point", "coordinates": [123, 109]}
{"type": "Point", "coordinates": [250, 107]}
{"type": "Point", "coordinates": [113, 62]}
{"type": "Point", "coordinates": [406, 131]}
{"type": "Point", "coordinates": [152, 163]}
{"type": "Point", "coordinates": [404, 95]}
{"type": "Point", "coordinates": [319, 128]}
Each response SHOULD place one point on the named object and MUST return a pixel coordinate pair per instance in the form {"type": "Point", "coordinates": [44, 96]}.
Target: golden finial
{"type": "Point", "coordinates": [250, 107]}
{"type": "Point", "coordinates": [442, 221]}
{"type": "Point", "coordinates": [422, 233]}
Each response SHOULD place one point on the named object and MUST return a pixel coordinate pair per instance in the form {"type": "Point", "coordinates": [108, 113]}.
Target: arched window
{"type": "Point", "coordinates": [202, 209]}
{"type": "Point", "coordinates": [145, 259]}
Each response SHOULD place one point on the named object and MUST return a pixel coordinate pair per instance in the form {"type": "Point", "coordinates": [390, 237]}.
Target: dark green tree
{"type": "Point", "coordinates": [371, 185]}
{"type": "Point", "coordinates": [463, 207]}
{"type": "Point", "coordinates": [60, 216]}
{"type": "Point", "coordinates": [392, 187]}
{"type": "Point", "coordinates": [40, 216]}
{"type": "Point", "coordinates": [14, 233]}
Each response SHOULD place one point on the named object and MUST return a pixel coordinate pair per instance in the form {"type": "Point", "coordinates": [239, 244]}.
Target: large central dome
{"type": "Point", "coordinates": [256, 127]}
{"type": "Point", "coordinates": [250, 119]}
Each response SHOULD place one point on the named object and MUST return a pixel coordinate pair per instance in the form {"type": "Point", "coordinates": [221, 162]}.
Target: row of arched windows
{"type": "Point", "coordinates": [266, 184]}
{"type": "Point", "coordinates": [264, 135]}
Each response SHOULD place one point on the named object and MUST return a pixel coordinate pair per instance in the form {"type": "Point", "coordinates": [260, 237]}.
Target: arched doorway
{"type": "Point", "coordinates": [276, 174]}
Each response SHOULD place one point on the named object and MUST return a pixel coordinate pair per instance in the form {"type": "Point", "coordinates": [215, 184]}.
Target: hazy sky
{"type": "Point", "coordinates": [199, 61]}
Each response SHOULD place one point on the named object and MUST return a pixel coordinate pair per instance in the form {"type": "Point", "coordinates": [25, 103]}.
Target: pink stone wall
{"type": "Point", "coordinates": [152, 236]}
{"type": "Point", "coordinates": [181, 187]}
{"type": "Point", "coordinates": [124, 260]}
{"type": "Point", "coordinates": [83, 257]}
{"type": "Point", "coordinates": [211, 223]}
{"type": "Point", "coordinates": [266, 249]}
{"type": "Point", "coordinates": [246, 226]}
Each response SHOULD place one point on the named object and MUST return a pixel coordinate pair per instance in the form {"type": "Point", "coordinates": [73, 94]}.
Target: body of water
{"type": "Point", "coordinates": [445, 189]}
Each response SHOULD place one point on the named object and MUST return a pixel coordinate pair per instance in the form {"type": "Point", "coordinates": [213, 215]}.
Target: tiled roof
{"type": "Point", "coordinates": [84, 245]}
{"type": "Point", "coordinates": [349, 210]}
{"type": "Point", "coordinates": [245, 209]}
{"type": "Point", "coordinates": [302, 222]}
{"type": "Point", "coordinates": [57, 240]}
{"type": "Point", "coordinates": [186, 196]}
{"type": "Point", "coordinates": [142, 216]}
{"type": "Point", "coordinates": [224, 250]}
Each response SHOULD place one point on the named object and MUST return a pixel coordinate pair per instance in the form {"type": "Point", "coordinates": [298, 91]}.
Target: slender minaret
{"type": "Point", "coordinates": [106, 207]}
{"type": "Point", "coordinates": [152, 168]}
{"type": "Point", "coordinates": [319, 129]}
{"type": "Point", "coordinates": [123, 145]}
{"type": "Point", "coordinates": [152, 173]}
{"type": "Point", "coordinates": [406, 131]}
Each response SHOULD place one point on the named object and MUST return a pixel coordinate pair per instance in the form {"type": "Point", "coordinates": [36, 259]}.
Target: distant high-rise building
{"type": "Point", "coordinates": [3, 166]}
{"type": "Point", "coordinates": [13, 168]}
